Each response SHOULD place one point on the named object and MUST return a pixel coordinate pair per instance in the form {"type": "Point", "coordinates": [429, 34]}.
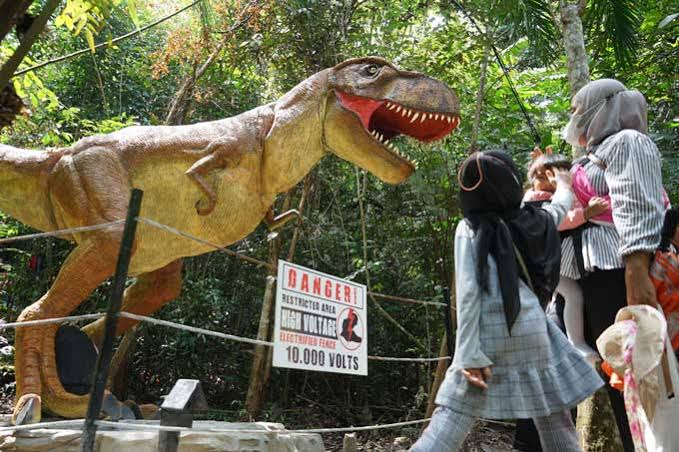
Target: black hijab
{"type": "Point", "coordinates": [491, 193]}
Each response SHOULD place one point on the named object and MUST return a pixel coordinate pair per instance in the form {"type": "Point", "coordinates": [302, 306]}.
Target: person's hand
{"type": "Point", "coordinates": [478, 377]}
{"type": "Point", "coordinates": [596, 206]}
{"type": "Point", "coordinates": [559, 177]}
{"type": "Point", "coordinates": [640, 289]}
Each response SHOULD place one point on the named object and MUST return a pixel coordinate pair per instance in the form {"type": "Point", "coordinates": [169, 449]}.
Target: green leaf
{"type": "Point", "coordinates": [667, 20]}
{"type": "Point", "coordinates": [132, 9]}
{"type": "Point", "coordinates": [90, 39]}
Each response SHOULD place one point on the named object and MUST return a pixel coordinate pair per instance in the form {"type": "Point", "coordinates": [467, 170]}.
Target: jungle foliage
{"type": "Point", "coordinates": [409, 228]}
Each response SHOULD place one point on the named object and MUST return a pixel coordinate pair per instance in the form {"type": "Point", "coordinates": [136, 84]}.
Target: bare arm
{"type": "Point", "coordinates": [563, 196]}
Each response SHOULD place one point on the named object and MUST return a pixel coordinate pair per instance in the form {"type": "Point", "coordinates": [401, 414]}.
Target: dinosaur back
{"type": "Point", "coordinates": [23, 185]}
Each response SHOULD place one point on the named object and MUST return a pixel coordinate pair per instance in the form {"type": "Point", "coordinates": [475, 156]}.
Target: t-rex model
{"type": "Point", "coordinates": [214, 180]}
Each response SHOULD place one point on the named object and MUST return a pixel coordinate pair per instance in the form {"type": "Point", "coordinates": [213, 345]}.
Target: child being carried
{"type": "Point", "coordinates": [540, 175]}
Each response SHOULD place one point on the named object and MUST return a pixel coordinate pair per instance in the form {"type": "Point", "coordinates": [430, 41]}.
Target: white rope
{"type": "Point", "coordinates": [167, 428]}
{"type": "Point", "coordinates": [362, 428]}
{"type": "Point", "coordinates": [407, 300]}
{"type": "Point", "coordinates": [52, 320]}
{"type": "Point", "coordinates": [413, 360]}
{"type": "Point", "coordinates": [232, 337]}
{"type": "Point", "coordinates": [79, 424]}
{"type": "Point", "coordinates": [179, 326]}
{"type": "Point", "coordinates": [194, 329]}
{"type": "Point", "coordinates": [174, 231]}
{"type": "Point", "coordinates": [59, 232]}
{"type": "Point", "coordinates": [186, 235]}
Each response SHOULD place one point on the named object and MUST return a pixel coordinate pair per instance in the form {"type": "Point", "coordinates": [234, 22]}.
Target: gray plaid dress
{"type": "Point", "coordinates": [536, 371]}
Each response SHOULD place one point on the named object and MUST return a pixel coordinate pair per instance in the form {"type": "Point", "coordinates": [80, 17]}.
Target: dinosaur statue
{"type": "Point", "coordinates": [214, 180]}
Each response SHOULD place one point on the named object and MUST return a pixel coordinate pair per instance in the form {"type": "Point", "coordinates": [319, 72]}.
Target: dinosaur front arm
{"type": "Point", "coordinates": [220, 154]}
{"type": "Point", "coordinates": [274, 221]}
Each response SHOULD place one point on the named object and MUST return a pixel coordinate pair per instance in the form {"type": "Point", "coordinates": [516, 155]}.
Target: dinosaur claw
{"type": "Point", "coordinates": [27, 410]}
{"type": "Point", "coordinates": [205, 210]}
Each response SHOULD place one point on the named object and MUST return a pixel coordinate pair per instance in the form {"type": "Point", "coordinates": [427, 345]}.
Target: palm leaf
{"type": "Point", "coordinates": [614, 24]}
{"type": "Point", "coordinates": [532, 19]}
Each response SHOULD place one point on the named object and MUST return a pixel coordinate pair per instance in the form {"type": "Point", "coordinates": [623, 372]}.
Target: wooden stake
{"type": "Point", "coordinates": [349, 444]}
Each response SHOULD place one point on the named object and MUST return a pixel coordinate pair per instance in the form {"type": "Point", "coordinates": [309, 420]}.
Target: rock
{"type": "Point", "coordinates": [269, 440]}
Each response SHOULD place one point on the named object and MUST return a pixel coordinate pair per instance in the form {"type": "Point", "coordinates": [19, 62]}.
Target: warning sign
{"type": "Point", "coordinates": [321, 322]}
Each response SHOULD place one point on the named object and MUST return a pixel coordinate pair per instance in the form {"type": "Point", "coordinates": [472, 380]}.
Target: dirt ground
{"type": "Point", "coordinates": [485, 437]}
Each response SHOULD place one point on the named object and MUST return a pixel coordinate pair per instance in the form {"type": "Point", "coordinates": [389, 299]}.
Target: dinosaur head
{"type": "Point", "coordinates": [370, 102]}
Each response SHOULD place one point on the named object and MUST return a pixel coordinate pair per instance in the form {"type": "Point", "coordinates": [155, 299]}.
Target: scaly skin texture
{"type": "Point", "coordinates": [215, 180]}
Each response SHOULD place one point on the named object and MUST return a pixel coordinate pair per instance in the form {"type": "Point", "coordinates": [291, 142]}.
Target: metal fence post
{"type": "Point", "coordinates": [112, 315]}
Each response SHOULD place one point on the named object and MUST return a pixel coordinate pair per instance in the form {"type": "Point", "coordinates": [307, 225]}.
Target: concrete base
{"type": "Point", "coordinates": [64, 440]}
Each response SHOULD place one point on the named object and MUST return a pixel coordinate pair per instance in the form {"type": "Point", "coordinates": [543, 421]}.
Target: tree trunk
{"type": "Point", "coordinates": [597, 429]}
{"type": "Point", "coordinates": [441, 368]}
{"type": "Point", "coordinates": [10, 11]}
{"type": "Point", "coordinates": [261, 365]}
{"type": "Point", "coordinates": [443, 365]}
{"type": "Point", "coordinates": [574, 44]}
{"type": "Point", "coordinates": [120, 364]}
{"type": "Point", "coordinates": [479, 101]}
{"type": "Point", "coordinates": [182, 99]}
{"type": "Point", "coordinates": [27, 41]}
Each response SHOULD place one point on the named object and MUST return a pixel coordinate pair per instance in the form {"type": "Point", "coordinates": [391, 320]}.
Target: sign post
{"type": "Point", "coordinates": [321, 322]}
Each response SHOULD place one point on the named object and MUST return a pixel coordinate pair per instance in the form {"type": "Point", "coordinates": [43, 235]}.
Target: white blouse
{"type": "Point", "coordinates": [629, 170]}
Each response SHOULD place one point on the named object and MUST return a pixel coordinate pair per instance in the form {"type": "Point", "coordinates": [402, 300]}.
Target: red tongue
{"type": "Point", "coordinates": [362, 106]}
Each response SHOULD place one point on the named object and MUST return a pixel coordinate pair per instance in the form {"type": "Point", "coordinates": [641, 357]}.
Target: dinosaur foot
{"type": "Point", "coordinates": [39, 386]}
{"type": "Point", "coordinates": [27, 410]}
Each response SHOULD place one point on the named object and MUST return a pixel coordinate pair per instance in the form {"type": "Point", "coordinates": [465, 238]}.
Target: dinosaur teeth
{"type": "Point", "coordinates": [390, 106]}
{"type": "Point", "coordinates": [431, 115]}
{"type": "Point", "coordinates": [415, 116]}
{"type": "Point", "coordinates": [408, 112]}
{"type": "Point", "coordinates": [398, 109]}
{"type": "Point", "coordinates": [424, 117]}
{"type": "Point", "coordinates": [436, 117]}
{"type": "Point", "coordinates": [448, 119]}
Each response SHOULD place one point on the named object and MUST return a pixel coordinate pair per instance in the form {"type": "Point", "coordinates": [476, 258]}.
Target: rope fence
{"type": "Point", "coordinates": [61, 232]}
{"type": "Point", "coordinates": [80, 423]}
{"type": "Point", "coordinates": [77, 424]}
{"type": "Point", "coordinates": [192, 329]}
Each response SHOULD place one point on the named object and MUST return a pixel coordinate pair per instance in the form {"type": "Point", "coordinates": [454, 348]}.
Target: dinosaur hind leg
{"type": "Point", "coordinates": [88, 265]}
{"type": "Point", "coordinates": [145, 296]}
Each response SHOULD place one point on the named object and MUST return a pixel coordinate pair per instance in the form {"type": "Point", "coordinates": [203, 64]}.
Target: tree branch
{"type": "Point", "coordinates": [379, 307]}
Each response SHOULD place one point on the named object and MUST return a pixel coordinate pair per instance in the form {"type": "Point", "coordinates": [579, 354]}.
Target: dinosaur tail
{"type": "Point", "coordinates": [24, 193]}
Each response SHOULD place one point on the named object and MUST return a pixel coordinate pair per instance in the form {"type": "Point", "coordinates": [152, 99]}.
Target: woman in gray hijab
{"type": "Point", "coordinates": [612, 262]}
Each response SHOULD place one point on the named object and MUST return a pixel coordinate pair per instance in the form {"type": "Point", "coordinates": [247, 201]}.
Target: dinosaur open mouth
{"type": "Point", "coordinates": [385, 119]}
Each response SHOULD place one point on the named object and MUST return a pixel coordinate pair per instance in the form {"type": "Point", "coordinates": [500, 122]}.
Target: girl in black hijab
{"type": "Point", "coordinates": [510, 360]}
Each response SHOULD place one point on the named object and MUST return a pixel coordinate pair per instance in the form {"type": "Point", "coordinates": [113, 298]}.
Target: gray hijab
{"type": "Point", "coordinates": [607, 107]}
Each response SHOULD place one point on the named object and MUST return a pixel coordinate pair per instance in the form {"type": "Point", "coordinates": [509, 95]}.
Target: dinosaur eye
{"type": "Point", "coordinates": [372, 70]}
